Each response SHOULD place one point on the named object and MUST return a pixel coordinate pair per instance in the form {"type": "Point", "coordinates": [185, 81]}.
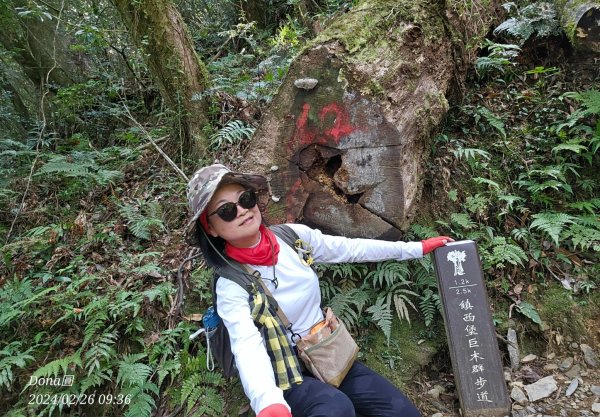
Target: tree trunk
{"type": "Point", "coordinates": [158, 28]}
{"type": "Point", "coordinates": [581, 21]}
{"type": "Point", "coordinates": [255, 11]}
{"type": "Point", "coordinates": [38, 44]}
{"type": "Point", "coordinates": [348, 155]}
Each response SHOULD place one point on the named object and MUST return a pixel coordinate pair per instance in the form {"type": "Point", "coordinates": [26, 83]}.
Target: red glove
{"type": "Point", "coordinates": [275, 410]}
{"type": "Point", "coordinates": [434, 243]}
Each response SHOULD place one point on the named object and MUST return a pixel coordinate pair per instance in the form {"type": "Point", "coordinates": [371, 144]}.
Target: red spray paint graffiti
{"type": "Point", "coordinates": [307, 133]}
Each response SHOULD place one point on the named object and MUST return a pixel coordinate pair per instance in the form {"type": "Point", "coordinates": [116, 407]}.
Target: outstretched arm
{"type": "Point", "coordinates": [332, 249]}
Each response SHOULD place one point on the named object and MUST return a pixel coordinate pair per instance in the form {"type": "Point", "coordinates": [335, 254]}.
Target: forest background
{"type": "Point", "coordinates": [100, 125]}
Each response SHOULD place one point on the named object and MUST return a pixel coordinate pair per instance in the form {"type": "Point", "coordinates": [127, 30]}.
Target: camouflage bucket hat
{"type": "Point", "coordinates": [206, 181]}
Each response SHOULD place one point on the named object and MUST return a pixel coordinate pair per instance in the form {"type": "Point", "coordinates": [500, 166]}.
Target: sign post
{"type": "Point", "coordinates": [471, 335]}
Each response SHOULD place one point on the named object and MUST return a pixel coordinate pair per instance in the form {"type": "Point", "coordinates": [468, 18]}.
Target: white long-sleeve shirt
{"type": "Point", "coordinates": [299, 296]}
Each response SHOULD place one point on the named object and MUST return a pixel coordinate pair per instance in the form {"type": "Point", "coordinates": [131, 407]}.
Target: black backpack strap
{"type": "Point", "coordinates": [289, 236]}
{"type": "Point", "coordinates": [285, 233]}
{"type": "Point", "coordinates": [240, 277]}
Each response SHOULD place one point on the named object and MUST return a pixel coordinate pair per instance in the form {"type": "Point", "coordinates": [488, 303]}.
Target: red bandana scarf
{"type": "Point", "coordinates": [265, 253]}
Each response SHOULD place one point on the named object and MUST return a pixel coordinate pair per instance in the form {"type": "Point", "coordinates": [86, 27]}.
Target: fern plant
{"type": "Point", "coordinates": [388, 273]}
{"type": "Point", "coordinates": [552, 224]}
{"type": "Point", "coordinates": [500, 57]}
{"type": "Point", "coordinates": [198, 389]}
{"type": "Point", "coordinates": [12, 356]}
{"type": "Point", "coordinates": [79, 165]}
{"type": "Point", "coordinates": [143, 218]}
{"type": "Point", "coordinates": [233, 132]}
{"type": "Point", "coordinates": [589, 101]}
{"type": "Point", "coordinates": [381, 315]}
{"type": "Point", "coordinates": [501, 253]}
{"type": "Point", "coordinates": [538, 19]}
{"type": "Point", "coordinates": [491, 119]}
{"type": "Point", "coordinates": [426, 285]}
{"type": "Point", "coordinates": [584, 233]}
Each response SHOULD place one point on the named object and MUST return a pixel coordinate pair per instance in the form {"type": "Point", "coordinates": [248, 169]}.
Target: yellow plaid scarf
{"type": "Point", "coordinates": [285, 362]}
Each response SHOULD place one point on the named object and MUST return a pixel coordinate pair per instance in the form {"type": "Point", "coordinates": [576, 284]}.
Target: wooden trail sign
{"type": "Point", "coordinates": [471, 336]}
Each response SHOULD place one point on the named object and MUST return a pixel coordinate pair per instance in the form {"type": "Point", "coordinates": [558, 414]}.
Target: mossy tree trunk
{"type": "Point", "coordinates": [348, 156]}
{"type": "Point", "coordinates": [581, 22]}
{"type": "Point", "coordinates": [38, 44]}
{"type": "Point", "coordinates": [157, 27]}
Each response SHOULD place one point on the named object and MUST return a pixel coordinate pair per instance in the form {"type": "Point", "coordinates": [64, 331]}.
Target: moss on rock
{"type": "Point", "coordinates": [401, 359]}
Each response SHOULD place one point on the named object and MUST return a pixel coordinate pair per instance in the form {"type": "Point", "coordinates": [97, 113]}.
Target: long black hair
{"type": "Point", "coordinates": [213, 248]}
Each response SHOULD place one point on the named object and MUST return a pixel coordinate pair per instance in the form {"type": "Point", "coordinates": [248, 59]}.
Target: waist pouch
{"type": "Point", "coordinates": [328, 351]}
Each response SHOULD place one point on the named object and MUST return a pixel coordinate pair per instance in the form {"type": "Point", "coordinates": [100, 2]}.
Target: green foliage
{"type": "Point", "coordinates": [538, 19]}
{"type": "Point", "coordinates": [381, 314]}
{"type": "Point", "coordinates": [387, 287]}
{"type": "Point", "coordinates": [471, 153]}
{"type": "Point", "coordinates": [82, 168]}
{"type": "Point", "coordinates": [529, 311]}
{"type": "Point", "coordinates": [500, 57]}
{"type": "Point", "coordinates": [13, 356]}
{"type": "Point", "coordinates": [502, 253]}
{"type": "Point", "coordinates": [590, 106]}
{"type": "Point", "coordinates": [551, 224]}
{"type": "Point", "coordinates": [387, 273]}
{"type": "Point", "coordinates": [233, 132]}
{"type": "Point", "coordinates": [492, 119]}
{"type": "Point", "coordinates": [143, 218]}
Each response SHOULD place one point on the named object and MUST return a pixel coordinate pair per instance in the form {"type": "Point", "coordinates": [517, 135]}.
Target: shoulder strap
{"type": "Point", "coordinates": [238, 276]}
{"type": "Point", "coordinates": [289, 236]}
{"type": "Point", "coordinates": [286, 233]}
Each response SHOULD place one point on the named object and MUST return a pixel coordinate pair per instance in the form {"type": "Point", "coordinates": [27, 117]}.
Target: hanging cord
{"type": "Point", "coordinates": [210, 360]}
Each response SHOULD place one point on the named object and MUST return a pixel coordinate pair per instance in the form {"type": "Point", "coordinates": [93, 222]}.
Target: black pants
{"type": "Point", "coordinates": [364, 393]}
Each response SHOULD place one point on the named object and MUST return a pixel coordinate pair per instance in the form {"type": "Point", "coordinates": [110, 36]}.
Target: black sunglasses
{"type": "Point", "coordinates": [228, 211]}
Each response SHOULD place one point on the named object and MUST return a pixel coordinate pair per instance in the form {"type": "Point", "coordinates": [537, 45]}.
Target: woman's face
{"type": "Point", "coordinates": [241, 231]}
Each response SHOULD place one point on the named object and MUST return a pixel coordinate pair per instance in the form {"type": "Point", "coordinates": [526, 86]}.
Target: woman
{"type": "Point", "coordinates": [227, 224]}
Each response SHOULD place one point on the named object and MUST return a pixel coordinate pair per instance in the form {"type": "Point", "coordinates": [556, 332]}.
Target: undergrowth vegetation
{"type": "Point", "coordinates": [92, 220]}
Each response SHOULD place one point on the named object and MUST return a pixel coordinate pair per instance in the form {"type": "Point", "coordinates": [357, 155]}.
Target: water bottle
{"type": "Point", "coordinates": [210, 319]}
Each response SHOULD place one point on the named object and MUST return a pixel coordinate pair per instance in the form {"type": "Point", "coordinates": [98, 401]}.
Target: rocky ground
{"type": "Point", "coordinates": [563, 383]}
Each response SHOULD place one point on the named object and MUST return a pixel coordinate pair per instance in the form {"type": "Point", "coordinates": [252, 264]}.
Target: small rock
{"type": "Point", "coordinates": [518, 395]}
{"type": "Point", "coordinates": [574, 371]}
{"type": "Point", "coordinates": [572, 387]}
{"type": "Point", "coordinates": [550, 367]}
{"type": "Point", "coordinates": [507, 375]}
{"type": "Point", "coordinates": [275, 199]}
{"type": "Point", "coordinates": [513, 349]}
{"type": "Point", "coordinates": [306, 83]}
{"type": "Point", "coordinates": [529, 358]}
{"type": "Point", "coordinates": [541, 389]}
{"type": "Point", "coordinates": [566, 364]}
{"type": "Point", "coordinates": [274, 168]}
{"type": "Point", "coordinates": [596, 408]}
{"type": "Point", "coordinates": [518, 412]}
{"type": "Point", "coordinates": [589, 356]}
{"type": "Point", "coordinates": [437, 415]}
{"type": "Point", "coordinates": [551, 356]}
{"type": "Point", "coordinates": [434, 392]}
{"type": "Point", "coordinates": [595, 389]}
{"type": "Point", "coordinates": [574, 345]}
